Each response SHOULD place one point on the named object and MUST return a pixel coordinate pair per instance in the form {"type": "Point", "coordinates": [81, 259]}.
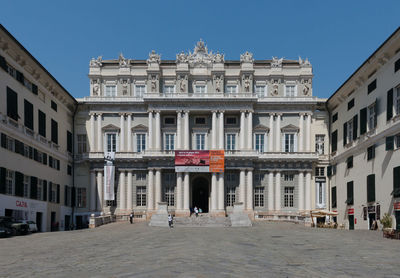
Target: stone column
{"type": "Point", "coordinates": [129, 131]}
{"type": "Point", "coordinates": [214, 131]}
{"type": "Point", "coordinates": [179, 191]}
{"type": "Point", "coordinates": [221, 134]}
{"type": "Point", "coordinates": [221, 192]}
{"type": "Point", "coordinates": [158, 132]}
{"type": "Point", "coordinates": [122, 191]}
{"type": "Point", "coordinates": [301, 191]}
{"type": "Point", "coordinates": [213, 191]}
{"type": "Point", "coordinates": [100, 186]}
{"type": "Point", "coordinates": [92, 139]}
{"type": "Point", "coordinates": [301, 132]}
{"type": "Point", "coordinates": [242, 129]}
{"type": "Point", "coordinates": [150, 132]}
{"type": "Point", "coordinates": [250, 130]}
{"type": "Point", "coordinates": [158, 187]}
{"type": "Point", "coordinates": [122, 134]}
{"type": "Point", "coordinates": [271, 133]}
{"type": "Point", "coordinates": [270, 191]}
{"type": "Point", "coordinates": [179, 130]}
{"type": "Point", "coordinates": [308, 133]}
{"type": "Point", "coordinates": [308, 191]}
{"type": "Point", "coordinates": [278, 140]}
{"type": "Point", "coordinates": [150, 191]}
{"type": "Point", "coordinates": [129, 192]}
{"type": "Point", "coordinates": [99, 133]}
{"type": "Point", "coordinates": [93, 190]}
{"type": "Point", "coordinates": [186, 192]}
{"type": "Point", "coordinates": [242, 187]}
{"type": "Point", "coordinates": [278, 191]}
{"type": "Point", "coordinates": [249, 202]}
{"type": "Point", "coordinates": [186, 132]}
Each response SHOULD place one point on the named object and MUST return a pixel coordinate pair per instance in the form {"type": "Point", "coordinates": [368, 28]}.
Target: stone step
{"type": "Point", "coordinates": [202, 221]}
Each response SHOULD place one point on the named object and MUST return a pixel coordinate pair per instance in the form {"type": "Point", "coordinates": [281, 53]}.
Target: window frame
{"type": "Point", "coordinates": [169, 145]}
{"type": "Point", "coordinates": [294, 92]}
{"type": "Point", "coordinates": [320, 144]}
{"type": "Point", "coordinates": [202, 137]}
{"type": "Point", "coordinates": [288, 197]}
{"type": "Point", "coordinates": [106, 134]}
{"type": "Point", "coordinates": [259, 93]}
{"type": "Point", "coordinates": [289, 145]}
{"type": "Point", "coordinates": [110, 93]}
{"type": "Point", "coordinates": [230, 145]}
{"type": "Point", "coordinates": [261, 145]}
{"type": "Point", "coordinates": [230, 91]}
{"type": "Point", "coordinates": [139, 94]}
{"type": "Point", "coordinates": [140, 142]}
{"type": "Point", "coordinates": [141, 196]}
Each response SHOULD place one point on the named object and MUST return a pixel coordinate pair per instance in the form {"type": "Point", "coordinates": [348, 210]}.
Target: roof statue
{"type": "Point", "coordinates": [154, 57]}
{"type": "Point", "coordinates": [276, 63]}
{"type": "Point", "coordinates": [123, 63]}
{"type": "Point", "coordinates": [246, 57]}
{"type": "Point", "coordinates": [200, 57]}
{"type": "Point", "coordinates": [96, 63]}
{"type": "Point", "coordinates": [304, 63]}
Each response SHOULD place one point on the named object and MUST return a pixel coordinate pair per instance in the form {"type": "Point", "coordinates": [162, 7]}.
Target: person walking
{"type": "Point", "coordinates": [131, 217]}
{"type": "Point", "coordinates": [170, 221]}
{"type": "Point", "coordinates": [196, 211]}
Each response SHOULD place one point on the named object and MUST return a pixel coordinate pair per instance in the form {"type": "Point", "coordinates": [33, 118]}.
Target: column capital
{"type": "Point", "coordinates": [150, 111]}
{"type": "Point", "coordinates": [250, 111]}
{"type": "Point", "coordinates": [272, 114]}
{"type": "Point", "coordinates": [92, 114]}
{"type": "Point", "coordinates": [178, 111]}
{"type": "Point", "coordinates": [221, 111]}
{"type": "Point", "coordinates": [121, 114]}
{"type": "Point", "coordinates": [243, 111]}
{"type": "Point", "coordinates": [186, 111]}
{"type": "Point", "coordinates": [309, 113]}
{"type": "Point", "coordinates": [214, 111]}
{"type": "Point", "coordinates": [302, 114]}
{"type": "Point", "coordinates": [279, 114]}
{"type": "Point", "coordinates": [157, 111]}
{"type": "Point", "coordinates": [129, 114]}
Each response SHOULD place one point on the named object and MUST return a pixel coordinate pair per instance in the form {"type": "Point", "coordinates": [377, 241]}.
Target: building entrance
{"type": "Point", "coordinates": [200, 193]}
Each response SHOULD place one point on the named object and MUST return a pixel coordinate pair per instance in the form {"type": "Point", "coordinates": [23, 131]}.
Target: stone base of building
{"type": "Point", "coordinates": [218, 213]}
{"type": "Point", "coordinates": [182, 213]}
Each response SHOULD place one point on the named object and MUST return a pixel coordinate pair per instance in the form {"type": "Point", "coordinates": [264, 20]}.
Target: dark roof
{"type": "Point", "coordinates": [36, 61]}
{"type": "Point", "coordinates": [348, 79]}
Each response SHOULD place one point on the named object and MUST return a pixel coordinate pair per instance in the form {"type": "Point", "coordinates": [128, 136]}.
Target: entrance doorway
{"type": "Point", "coordinates": [351, 222]}
{"type": "Point", "coordinates": [371, 217]}
{"type": "Point", "coordinates": [39, 217]}
{"type": "Point", "coordinates": [200, 193]}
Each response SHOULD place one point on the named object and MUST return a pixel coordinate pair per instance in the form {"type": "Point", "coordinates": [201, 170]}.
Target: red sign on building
{"type": "Point", "coordinates": [396, 206]}
{"type": "Point", "coordinates": [350, 211]}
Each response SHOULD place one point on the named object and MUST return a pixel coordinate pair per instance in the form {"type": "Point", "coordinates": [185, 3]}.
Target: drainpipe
{"type": "Point", "coordinates": [73, 165]}
{"type": "Point", "coordinates": [329, 156]}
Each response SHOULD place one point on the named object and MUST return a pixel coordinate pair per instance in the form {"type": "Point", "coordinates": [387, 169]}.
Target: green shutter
{"type": "Point", "coordinates": [334, 202]}
{"type": "Point", "coordinates": [3, 140]}
{"type": "Point", "coordinates": [371, 188]}
{"type": "Point", "coordinates": [2, 180]}
{"type": "Point", "coordinates": [58, 193]}
{"type": "Point", "coordinates": [3, 63]}
{"type": "Point", "coordinates": [389, 143]}
{"type": "Point", "coordinates": [355, 127]}
{"type": "Point", "coordinates": [44, 190]}
{"type": "Point", "coordinates": [334, 141]}
{"type": "Point", "coordinates": [34, 182]}
{"type": "Point", "coordinates": [350, 193]}
{"type": "Point", "coordinates": [50, 189]}
{"type": "Point", "coordinates": [12, 104]}
{"type": "Point", "coordinates": [19, 184]}
{"type": "Point", "coordinates": [344, 134]}
{"type": "Point", "coordinates": [363, 121]}
{"type": "Point", "coordinates": [389, 105]}
{"type": "Point", "coordinates": [396, 182]}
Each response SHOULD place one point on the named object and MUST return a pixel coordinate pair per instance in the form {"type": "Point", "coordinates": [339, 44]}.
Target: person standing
{"type": "Point", "coordinates": [170, 221]}
{"type": "Point", "coordinates": [131, 217]}
{"type": "Point", "coordinates": [196, 211]}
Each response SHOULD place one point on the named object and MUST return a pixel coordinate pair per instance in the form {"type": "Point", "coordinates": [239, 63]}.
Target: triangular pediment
{"type": "Point", "coordinates": [139, 127]}
{"type": "Point", "coordinates": [110, 127]}
{"type": "Point", "coordinates": [290, 127]}
{"type": "Point", "coordinates": [261, 127]}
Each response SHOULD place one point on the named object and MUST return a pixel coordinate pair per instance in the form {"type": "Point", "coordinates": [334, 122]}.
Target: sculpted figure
{"type": "Point", "coordinates": [96, 62]}
{"type": "Point", "coordinates": [153, 83]}
{"type": "Point", "coordinates": [247, 84]}
{"type": "Point", "coordinates": [95, 88]}
{"type": "Point", "coordinates": [218, 82]}
{"type": "Point", "coordinates": [124, 87]}
{"type": "Point", "coordinates": [182, 85]}
{"type": "Point", "coordinates": [123, 63]}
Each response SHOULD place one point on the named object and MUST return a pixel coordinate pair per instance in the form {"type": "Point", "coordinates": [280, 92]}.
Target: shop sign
{"type": "Point", "coordinates": [21, 204]}
{"type": "Point", "coordinates": [350, 211]}
{"type": "Point", "coordinates": [371, 209]}
{"type": "Point", "coordinates": [396, 206]}
{"type": "Point", "coordinates": [320, 179]}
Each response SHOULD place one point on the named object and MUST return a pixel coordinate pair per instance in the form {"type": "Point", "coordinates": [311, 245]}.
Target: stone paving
{"type": "Point", "coordinates": [264, 250]}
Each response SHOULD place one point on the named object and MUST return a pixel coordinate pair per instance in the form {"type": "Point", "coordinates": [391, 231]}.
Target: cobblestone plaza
{"type": "Point", "coordinates": [264, 250]}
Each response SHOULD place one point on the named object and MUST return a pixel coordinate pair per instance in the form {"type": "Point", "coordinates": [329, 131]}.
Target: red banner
{"type": "Point", "coordinates": [350, 211]}
{"type": "Point", "coordinates": [396, 206]}
{"type": "Point", "coordinates": [200, 161]}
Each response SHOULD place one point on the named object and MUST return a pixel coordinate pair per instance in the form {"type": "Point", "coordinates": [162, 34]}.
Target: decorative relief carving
{"type": "Point", "coordinates": [154, 57]}
{"type": "Point", "coordinates": [182, 83]}
{"type": "Point", "coordinates": [247, 80]}
{"type": "Point", "coordinates": [123, 62]}
{"type": "Point", "coordinates": [218, 83]}
{"type": "Point", "coordinates": [276, 63]}
{"type": "Point", "coordinates": [200, 56]}
{"type": "Point", "coordinates": [246, 57]}
{"type": "Point", "coordinates": [95, 87]}
{"type": "Point", "coordinates": [154, 83]}
{"type": "Point", "coordinates": [96, 63]}
{"type": "Point", "coordinates": [181, 58]}
{"type": "Point", "coordinates": [275, 86]}
{"type": "Point", "coordinates": [306, 87]}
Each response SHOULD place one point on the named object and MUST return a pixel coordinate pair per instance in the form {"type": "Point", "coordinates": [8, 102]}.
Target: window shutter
{"type": "Point", "coordinates": [34, 89]}
{"type": "Point", "coordinates": [334, 141]}
{"type": "Point", "coordinates": [51, 161]}
{"type": "Point", "coordinates": [35, 154]}
{"type": "Point", "coordinates": [44, 190]}
{"type": "Point", "coordinates": [20, 77]}
{"type": "Point", "coordinates": [355, 127]}
{"type": "Point", "coordinates": [42, 123]}
{"type": "Point", "coordinates": [58, 164]}
{"type": "Point", "coordinates": [376, 112]}
{"type": "Point", "coordinates": [329, 171]}
{"type": "Point", "coordinates": [44, 159]}
{"type": "Point", "coordinates": [344, 134]}
{"type": "Point", "coordinates": [16, 146]}
{"type": "Point", "coordinates": [334, 197]}
{"type": "Point", "coordinates": [12, 104]}
{"type": "Point", "coordinates": [295, 142]}
{"type": "Point", "coordinates": [396, 182]}
{"type": "Point", "coordinates": [73, 194]}
{"type": "Point", "coordinates": [19, 184]}
{"type": "Point", "coordinates": [2, 180]}
{"type": "Point", "coordinates": [58, 193]}
{"type": "Point", "coordinates": [3, 140]}
{"type": "Point", "coordinates": [363, 121]}
{"type": "Point", "coordinates": [350, 193]}
{"type": "Point", "coordinates": [3, 63]}
{"type": "Point", "coordinates": [65, 195]}
{"type": "Point", "coordinates": [50, 189]}
{"type": "Point", "coordinates": [34, 182]}
{"type": "Point", "coordinates": [54, 131]}
{"type": "Point", "coordinates": [371, 188]}
{"type": "Point", "coordinates": [389, 105]}
{"type": "Point", "coordinates": [28, 114]}
{"type": "Point", "coordinates": [21, 148]}
{"type": "Point", "coordinates": [69, 141]}
{"type": "Point", "coordinates": [389, 143]}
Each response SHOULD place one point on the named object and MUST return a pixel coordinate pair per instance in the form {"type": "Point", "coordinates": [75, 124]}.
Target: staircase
{"type": "Point", "coordinates": [203, 220]}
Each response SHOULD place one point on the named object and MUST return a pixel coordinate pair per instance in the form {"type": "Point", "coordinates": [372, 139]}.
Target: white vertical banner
{"type": "Point", "coordinates": [109, 176]}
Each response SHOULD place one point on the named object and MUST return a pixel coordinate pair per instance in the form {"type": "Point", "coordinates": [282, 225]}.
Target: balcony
{"type": "Point", "coordinates": [200, 96]}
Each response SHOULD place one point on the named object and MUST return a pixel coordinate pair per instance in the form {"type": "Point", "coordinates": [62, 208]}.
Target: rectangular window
{"type": "Point", "coordinates": [288, 177]}
{"type": "Point", "coordinates": [259, 142]}
{"type": "Point", "coordinates": [334, 197]}
{"type": "Point", "coordinates": [372, 86]}
{"type": "Point", "coordinates": [28, 114]}
{"type": "Point", "coordinates": [140, 90]}
{"type": "Point", "coordinates": [82, 147]}
{"type": "Point", "coordinates": [389, 143]}
{"type": "Point", "coordinates": [289, 142]}
{"type": "Point", "coordinates": [200, 89]}
{"type": "Point", "coordinates": [350, 104]}
{"type": "Point", "coordinates": [371, 188]}
{"type": "Point", "coordinates": [54, 106]}
{"type": "Point", "coordinates": [169, 89]}
{"type": "Point", "coordinates": [371, 117]}
{"type": "Point", "coordinates": [140, 142]}
{"type": "Point", "coordinates": [39, 190]}
{"type": "Point", "coordinates": [9, 182]}
{"type": "Point", "coordinates": [231, 89]}
{"type": "Point", "coordinates": [27, 180]}
{"type": "Point", "coordinates": [111, 91]}
{"type": "Point", "coordinates": [169, 120]}
{"type": "Point", "coordinates": [349, 162]}
{"type": "Point", "coordinates": [42, 123]}
{"type": "Point", "coordinates": [397, 101]}
{"type": "Point", "coordinates": [81, 198]}
{"type": "Point", "coordinates": [111, 142]}
{"type": "Point", "coordinates": [396, 182]}
{"type": "Point", "coordinates": [319, 171]}
{"type": "Point", "coordinates": [371, 152]}
{"type": "Point", "coordinates": [200, 141]}
{"type": "Point", "coordinates": [169, 142]}
{"type": "Point", "coordinates": [334, 141]}
{"type": "Point", "coordinates": [69, 141]}
{"type": "Point", "coordinates": [12, 104]}
{"type": "Point", "coordinates": [231, 141]}
{"type": "Point", "coordinates": [350, 193]}
{"type": "Point", "coordinates": [320, 143]}
{"type": "Point", "coordinates": [54, 131]}
{"type": "Point", "coordinates": [288, 197]}
{"type": "Point", "coordinates": [170, 195]}
{"type": "Point", "coordinates": [397, 65]}
{"type": "Point", "coordinates": [141, 176]}
{"type": "Point", "coordinates": [141, 196]}
{"type": "Point", "coordinates": [200, 120]}
{"type": "Point", "coordinates": [397, 141]}
{"type": "Point", "coordinates": [230, 196]}
{"type": "Point", "coordinates": [259, 196]}
{"type": "Point", "coordinates": [10, 143]}
{"type": "Point", "coordinates": [69, 170]}
{"type": "Point", "coordinates": [260, 91]}
{"type": "Point", "coordinates": [290, 90]}
{"type": "Point", "coordinates": [231, 120]}
{"type": "Point", "coordinates": [334, 117]}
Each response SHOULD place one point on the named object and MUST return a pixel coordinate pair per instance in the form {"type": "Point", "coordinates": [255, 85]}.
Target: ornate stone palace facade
{"type": "Point", "coordinates": [261, 112]}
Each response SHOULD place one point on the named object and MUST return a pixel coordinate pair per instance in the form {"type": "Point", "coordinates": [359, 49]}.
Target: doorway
{"type": "Point", "coordinates": [67, 219]}
{"type": "Point", "coordinates": [397, 216]}
{"type": "Point", "coordinates": [200, 193]}
{"type": "Point", "coordinates": [351, 222]}
{"type": "Point", "coordinates": [39, 217]}
{"type": "Point", "coordinates": [371, 218]}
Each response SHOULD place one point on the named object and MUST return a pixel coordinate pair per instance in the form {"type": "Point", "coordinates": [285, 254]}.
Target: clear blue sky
{"type": "Point", "coordinates": [337, 36]}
